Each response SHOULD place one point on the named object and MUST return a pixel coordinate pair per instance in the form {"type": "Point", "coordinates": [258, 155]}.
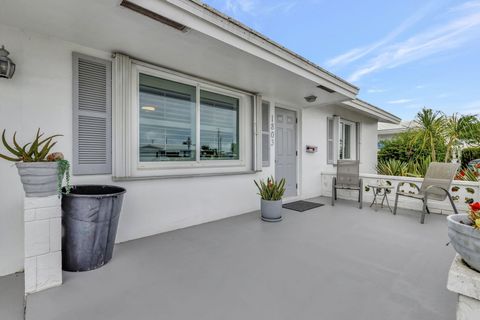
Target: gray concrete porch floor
{"type": "Point", "coordinates": [327, 263]}
{"type": "Point", "coordinates": [11, 297]}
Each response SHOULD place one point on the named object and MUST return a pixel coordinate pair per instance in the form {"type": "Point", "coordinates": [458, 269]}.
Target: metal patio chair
{"type": "Point", "coordinates": [435, 186]}
{"type": "Point", "coordinates": [348, 177]}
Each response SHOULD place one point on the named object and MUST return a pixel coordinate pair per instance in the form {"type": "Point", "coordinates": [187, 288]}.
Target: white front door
{"type": "Point", "coordinates": [286, 149]}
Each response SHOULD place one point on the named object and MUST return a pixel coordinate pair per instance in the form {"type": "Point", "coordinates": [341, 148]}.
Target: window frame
{"type": "Point", "coordinates": [353, 139]}
{"type": "Point", "coordinates": [199, 85]}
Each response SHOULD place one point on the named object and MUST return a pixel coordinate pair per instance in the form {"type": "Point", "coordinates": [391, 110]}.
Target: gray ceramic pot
{"type": "Point", "coordinates": [271, 210]}
{"type": "Point", "coordinates": [39, 179]}
{"type": "Point", "coordinates": [465, 239]}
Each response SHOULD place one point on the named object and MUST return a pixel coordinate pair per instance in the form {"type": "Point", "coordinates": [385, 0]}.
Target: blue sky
{"type": "Point", "coordinates": [403, 55]}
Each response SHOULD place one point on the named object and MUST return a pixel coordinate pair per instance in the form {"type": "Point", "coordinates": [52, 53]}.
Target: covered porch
{"type": "Point", "coordinates": [330, 263]}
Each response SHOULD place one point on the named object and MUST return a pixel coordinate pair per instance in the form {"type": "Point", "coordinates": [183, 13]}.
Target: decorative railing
{"type": "Point", "coordinates": [463, 192]}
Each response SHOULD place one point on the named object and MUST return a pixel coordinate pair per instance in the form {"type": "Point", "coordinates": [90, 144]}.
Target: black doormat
{"type": "Point", "coordinates": [302, 206]}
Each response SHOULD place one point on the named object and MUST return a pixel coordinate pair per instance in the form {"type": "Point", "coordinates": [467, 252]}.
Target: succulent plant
{"type": "Point", "coordinates": [35, 151]}
{"type": "Point", "coordinates": [39, 151]}
{"type": "Point", "coordinates": [271, 190]}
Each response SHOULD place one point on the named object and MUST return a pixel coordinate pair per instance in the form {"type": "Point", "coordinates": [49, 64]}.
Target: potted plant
{"type": "Point", "coordinates": [41, 172]}
{"type": "Point", "coordinates": [271, 193]}
{"type": "Point", "coordinates": [464, 234]}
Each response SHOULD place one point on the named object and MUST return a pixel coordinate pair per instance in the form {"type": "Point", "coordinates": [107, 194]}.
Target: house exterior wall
{"type": "Point", "coordinates": [40, 95]}
{"type": "Point", "coordinates": [314, 124]}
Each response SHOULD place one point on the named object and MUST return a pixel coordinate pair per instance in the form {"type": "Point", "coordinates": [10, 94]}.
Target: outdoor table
{"type": "Point", "coordinates": [380, 191]}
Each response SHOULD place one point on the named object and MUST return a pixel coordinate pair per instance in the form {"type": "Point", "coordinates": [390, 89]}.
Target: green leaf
{"type": "Point", "coordinates": [9, 158]}
{"type": "Point", "coordinates": [8, 147]}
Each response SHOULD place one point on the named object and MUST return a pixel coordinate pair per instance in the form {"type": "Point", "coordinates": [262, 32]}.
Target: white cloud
{"type": "Point", "coordinates": [467, 6]}
{"type": "Point", "coordinates": [358, 53]}
{"type": "Point", "coordinates": [472, 107]}
{"type": "Point", "coordinates": [240, 5]}
{"type": "Point", "coordinates": [427, 43]}
{"type": "Point", "coordinates": [256, 7]}
{"type": "Point", "coordinates": [400, 101]}
{"type": "Point", "coordinates": [376, 90]}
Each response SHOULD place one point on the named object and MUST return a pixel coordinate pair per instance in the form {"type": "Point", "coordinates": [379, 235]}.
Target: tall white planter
{"type": "Point", "coordinates": [43, 225]}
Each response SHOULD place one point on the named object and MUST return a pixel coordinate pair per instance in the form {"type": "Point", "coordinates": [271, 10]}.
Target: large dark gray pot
{"type": "Point", "coordinates": [271, 210]}
{"type": "Point", "coordinates": [90, 215]}
{"type": "Point", "coordinates": [465, 239]}
{"type": "Point", "coordinates": [39, 179]}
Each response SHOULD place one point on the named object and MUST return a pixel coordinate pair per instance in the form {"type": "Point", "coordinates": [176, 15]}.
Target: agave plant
{"type": "Point", "coordinates": [35, 151]}
{"type": "Point", "coordinates": [467, 174]}
{"type": "Point", "coordinates": [39, 151]}
{"type": "Point", "coordinates": [392, 167]}
{"type": "Point", "coordinates": [418, 168]}
{"type": "Point", "coordinates": [271, 190]}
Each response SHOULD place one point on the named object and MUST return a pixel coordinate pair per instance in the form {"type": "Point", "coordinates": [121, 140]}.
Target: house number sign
{"type": "Point", "coordinates": [272, 132]}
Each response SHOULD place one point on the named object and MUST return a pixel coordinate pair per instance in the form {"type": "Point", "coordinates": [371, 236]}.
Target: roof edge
{"type": "Point", "coordinates": [237, 30]}
{"type": "Point", "coordinates": [267, 39]}
{"type": "Point", "coordinates": [379, 113]}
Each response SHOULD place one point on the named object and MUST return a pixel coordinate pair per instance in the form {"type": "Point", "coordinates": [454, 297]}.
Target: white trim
{"type": "Point", "coordinates": [372, 111]}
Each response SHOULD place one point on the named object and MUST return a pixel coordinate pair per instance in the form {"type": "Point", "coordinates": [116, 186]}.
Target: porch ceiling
{"type": "Point", "coordinates": [106, 26]}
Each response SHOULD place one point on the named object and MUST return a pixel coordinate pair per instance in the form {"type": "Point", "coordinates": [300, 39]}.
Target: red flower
{"type": "Point", "coordinates": [475, 206]}
{"type": "Point", "coordinates": [462, 173]}
{"type": "Point", "coordinates": [477, 166]}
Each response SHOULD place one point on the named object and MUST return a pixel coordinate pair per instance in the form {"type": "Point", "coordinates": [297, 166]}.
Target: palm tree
{"type": "Point", "coordinates": [430, 128]}
{"type": "Point", "coordinates": [459, 128]}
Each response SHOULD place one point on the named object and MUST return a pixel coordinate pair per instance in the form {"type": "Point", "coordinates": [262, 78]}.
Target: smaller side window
{"type": "Point", "coordinates": [347, 147]}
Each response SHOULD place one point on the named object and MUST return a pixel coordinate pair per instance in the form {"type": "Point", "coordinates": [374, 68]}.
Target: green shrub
{"type": "Point", "coordinates": [401, 148]}
{"type": "Point", "coordinates": [469, 154]}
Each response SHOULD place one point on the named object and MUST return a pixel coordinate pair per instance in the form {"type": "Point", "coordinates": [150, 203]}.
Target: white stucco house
{"type": "Point", "coordinates": [178, 103]}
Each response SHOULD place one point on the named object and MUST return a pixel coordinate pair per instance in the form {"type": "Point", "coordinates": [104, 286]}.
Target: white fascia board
{"type": "Point", "coordinates": [392, 131]}
{"type": "Point", "coordinates": [375, 112]}
{"type": "Point", "coordinates": [208, 21]}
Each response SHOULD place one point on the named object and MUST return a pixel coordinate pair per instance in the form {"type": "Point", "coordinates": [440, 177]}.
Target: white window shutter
{"type": "Point", "coordinates": [359, 141]}
{"type": "Point", "coordinates": [332, 139]}
{"type": "Point", "coordinates": [257, 127]}
{"type": "Point", "coordinates": [265, 134]}
{"type": "Point", "coordinates": [92, 109]}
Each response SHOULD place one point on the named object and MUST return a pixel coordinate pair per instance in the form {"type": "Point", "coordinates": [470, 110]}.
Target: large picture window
{"type": "Point", "coordinates": [185, 122]}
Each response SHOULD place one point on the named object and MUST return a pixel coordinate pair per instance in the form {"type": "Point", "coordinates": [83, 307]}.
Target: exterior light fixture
{"type": "Point", "coordinates": [311, 99]}
{"type": "Point", "coordinates": [7, 67]}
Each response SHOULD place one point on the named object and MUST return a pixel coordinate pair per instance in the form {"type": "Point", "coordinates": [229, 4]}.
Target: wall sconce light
{"type": "Point", "coordinates": [311, 99]}
{"type": "Point", "coordinates": [7, 67]}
